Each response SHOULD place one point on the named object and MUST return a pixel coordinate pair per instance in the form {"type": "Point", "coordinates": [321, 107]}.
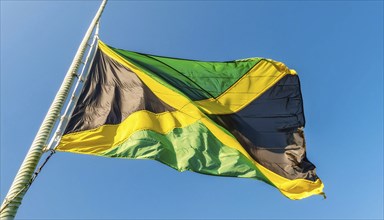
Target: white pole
{"type": "Point", "coordinates": [20, 184]}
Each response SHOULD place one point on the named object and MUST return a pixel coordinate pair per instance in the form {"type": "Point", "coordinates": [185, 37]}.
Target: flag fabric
{"type": "Point", "coordinates": [242, 118]}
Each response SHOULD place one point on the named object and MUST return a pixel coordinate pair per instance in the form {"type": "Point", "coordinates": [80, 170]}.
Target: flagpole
{"type": "Point", "coordinates": [23, 177]}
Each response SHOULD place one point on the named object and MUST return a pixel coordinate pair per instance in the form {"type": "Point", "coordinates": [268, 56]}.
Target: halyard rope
{"type": "Point", "coordinates": [26, 187]}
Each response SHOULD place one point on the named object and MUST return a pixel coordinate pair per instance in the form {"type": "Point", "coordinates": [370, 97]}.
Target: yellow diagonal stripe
{"type": "Point", "coordinates": [105, 137]}
{"type": "Point", "coordinates": [254, 83]}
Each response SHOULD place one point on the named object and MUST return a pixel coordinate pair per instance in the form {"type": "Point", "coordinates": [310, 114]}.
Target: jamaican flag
{"type": "Point", "coordinates": [242, 118]}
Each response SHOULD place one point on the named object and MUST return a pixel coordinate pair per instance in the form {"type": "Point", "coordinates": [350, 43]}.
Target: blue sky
{"type": "Point", "coordinates": [335, 46]}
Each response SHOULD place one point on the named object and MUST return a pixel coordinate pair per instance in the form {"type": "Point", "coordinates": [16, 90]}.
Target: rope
{"type": "Point", "coordinates": [26, 187]}
{"type": "Point", "coordinates": [8, 201]}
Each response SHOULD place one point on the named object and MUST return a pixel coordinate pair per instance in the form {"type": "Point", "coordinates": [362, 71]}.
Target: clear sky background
{"type": "Point", "coordinates": [335, 46]}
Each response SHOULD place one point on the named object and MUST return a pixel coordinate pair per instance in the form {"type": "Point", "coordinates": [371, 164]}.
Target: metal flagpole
{"type": "Point", "coordinates": [23, 177]}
